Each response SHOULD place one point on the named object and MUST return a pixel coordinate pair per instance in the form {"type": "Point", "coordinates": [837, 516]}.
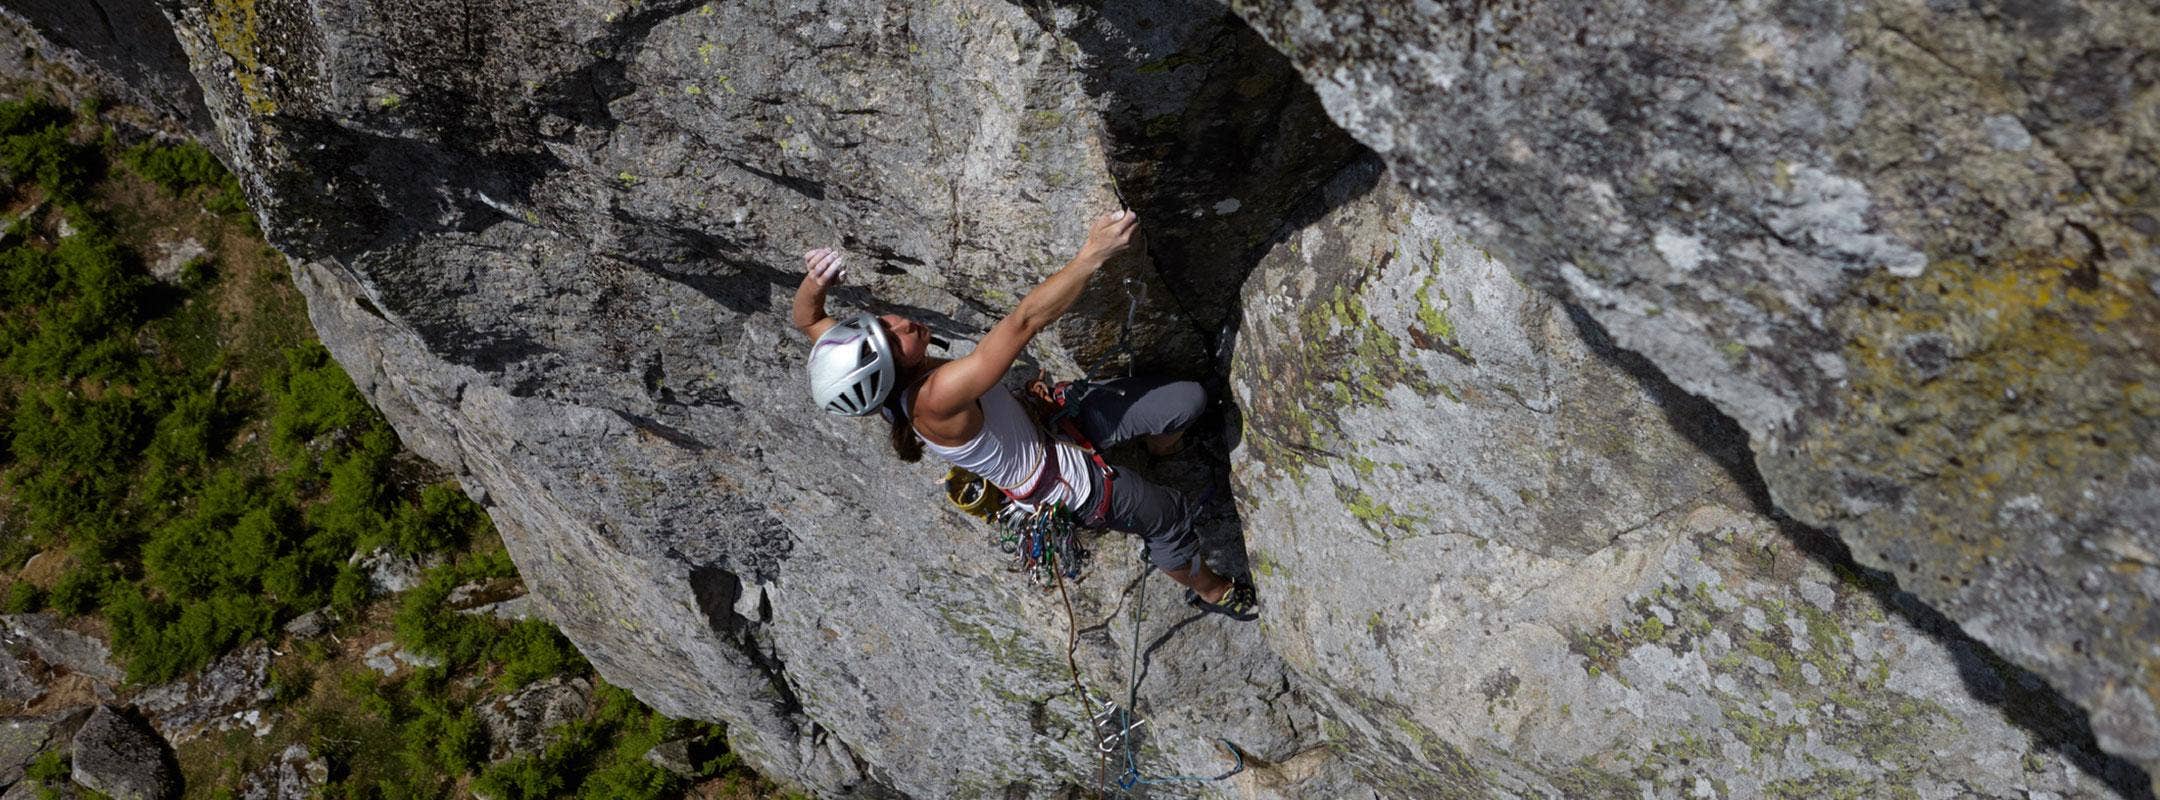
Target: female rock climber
{"type": "Point", "coordinates": [961, 410]}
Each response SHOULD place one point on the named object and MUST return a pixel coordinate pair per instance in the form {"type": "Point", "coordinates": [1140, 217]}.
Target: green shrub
{"type": "Point", "coordinates": [198, 274]}
{"type": "Point", "coordinates": [527, 777]}
{"type": "Point", "coordinates": [219, 543]}
{"type": "Point", "coordinates": [162, 639]}
{"type": "Point", "coordinates": [50, 767]}
{"type": "Point", "coordinates": [72, 459]}
{"type": "Point", "coordinates": [79, 588]}
{"type": "Point", "coordinates": [177, 167]}
{"type": "Point", "coordinates": [349, 590]}
{"type": "Point", "coordinates": [631, 780]}
{"type": "Point", "coordinates": [183, 446]}
{"type": "Point", "coordinates": [35, 145]}
{"type": "Point", "coordinates": [24, 597]}
{"type": "Point", "coordinates": [312, 397]}
{"type": "Point", "coordinates": [439, 739]}
{"type": "Point", "coordinates": [443, 519]}
{"type": "Point", "coordinates": [426, 624]}
{"type": "Point", "coordinates": [351, 519]}
{"type": "Point", "coordinates": [531, 650]}
{"type": "Point", "coordinates": [78, 307]}
{"type": "Point", "coordinates": [289, 682]}
{"type": "Point", "coordinates": [548, 773]}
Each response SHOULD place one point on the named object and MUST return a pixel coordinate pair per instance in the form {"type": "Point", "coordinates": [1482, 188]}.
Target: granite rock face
{"type": "Point", "coordinates": [1503, 556]}
{"type": "Point", "coordinates": [1910, 247]}
{"type": "Point", "coordinates": [1568, 579]}
{"type": "Point", "coordinates": [528, 721]}
{"type": "Point", "coordinates": [215, 698]}
{"type": "Point", "coordinates": [23, 739]}
{"type": "Point", "coordinates": [117, 754]}
{"type": "Point", "coordinates": [556, 251]}
{"type": "Point", "coordinates": [295, 775]}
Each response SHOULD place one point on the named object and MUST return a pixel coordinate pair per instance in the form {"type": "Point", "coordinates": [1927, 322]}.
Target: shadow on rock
{"type": "Point", "coordinates": [1223, 149]}
{"type": "Point", "coordinates": [2022, 696]}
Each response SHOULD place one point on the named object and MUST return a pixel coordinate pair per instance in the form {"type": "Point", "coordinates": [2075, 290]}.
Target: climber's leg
{"type": "Point", "coordinates": [1160, 517]}
{"type": "Point", "coordinates": [1157, 410]}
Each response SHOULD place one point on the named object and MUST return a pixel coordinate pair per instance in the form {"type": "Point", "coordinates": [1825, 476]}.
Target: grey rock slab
{"type": "Point", "coordinates": [309, 625]}
{"type": "Point", "coordinates": [388, 658]}
{"type": "Point", "coordinates": [217, 697]}
{"type": "Point", "coordinates": [561, 272]}
{"type": "Point", "coordinates": [511, 610]}
{"type": "Point", "coordinates": [1908, 247]}
{"type": "Point", "coordinates": [674, 756]}
{"type": "Point", "coordinates": [125, 49]}
{"type": "Point", "coordinates": [378, 658]}
{"type": "Point", "coordinates": [119, 755]}
{"type": "Point", "coordinates": [566, 295]}
{"type": "Point", "coordinates": [478, 594]}
{"type": "Point", "coordinates": [390, 573]}
{"type": "Point", "coordinates": [528, 720]}
{"type": "Point", "coordinates": [294, 775]}
{"type": "Point", "coordinates": [30, 790]}
{"type": "Point", "coordinates": [22, 676]}
{"type": "Point", "coordinates": [21, 739]}
{"type": "Point", "coordinates": [171, 258]}
{"type": "Point", "coordinates": [44, 634]}
{"type": "Point", "coordinates": [1560, 581]}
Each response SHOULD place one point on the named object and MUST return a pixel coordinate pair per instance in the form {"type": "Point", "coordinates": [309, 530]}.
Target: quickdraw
{"type": "Point", "coordinates": [1044, 544]}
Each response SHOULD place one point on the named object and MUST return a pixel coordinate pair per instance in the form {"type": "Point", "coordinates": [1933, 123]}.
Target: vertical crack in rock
{"type": "Point", "coordinates": [2023, 697]}
{"type": "Point", "coordinates": [1769, 202]}
{"type": "Point", "coordinates": [554, 242]}
{"type": "Point", "coordinates": [1212, 137]}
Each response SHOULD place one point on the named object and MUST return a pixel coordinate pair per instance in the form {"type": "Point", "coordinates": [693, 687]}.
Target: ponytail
{"type": "Point", "coordinates": [905, 443]}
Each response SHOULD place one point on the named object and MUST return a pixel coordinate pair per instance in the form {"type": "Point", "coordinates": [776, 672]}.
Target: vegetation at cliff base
{"type": "Point", "coordinates": [184, 470]}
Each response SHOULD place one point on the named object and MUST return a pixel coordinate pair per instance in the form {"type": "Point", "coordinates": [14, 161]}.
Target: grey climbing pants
{"type": "Point", "coordinates": [1115, 411]}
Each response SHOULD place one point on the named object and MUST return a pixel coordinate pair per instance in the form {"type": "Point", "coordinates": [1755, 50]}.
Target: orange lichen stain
{"type": "Point", "coordinates": [1984, 381]}
{"type": "Point", "coordinates": [233, 23]}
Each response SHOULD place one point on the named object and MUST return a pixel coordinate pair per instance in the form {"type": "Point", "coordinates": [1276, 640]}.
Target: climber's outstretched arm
{"type": "Point", "coordinates": [953, 388]}
{"type": "Point", "coordinates": [821, 271]}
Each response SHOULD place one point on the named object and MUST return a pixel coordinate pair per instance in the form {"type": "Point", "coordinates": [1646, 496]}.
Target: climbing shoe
{"type": "Point", "coordinates": [1241, 603]}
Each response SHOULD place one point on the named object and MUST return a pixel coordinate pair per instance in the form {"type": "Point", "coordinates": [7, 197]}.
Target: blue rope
{"type": "Point", "coordinates": [1133, 777]}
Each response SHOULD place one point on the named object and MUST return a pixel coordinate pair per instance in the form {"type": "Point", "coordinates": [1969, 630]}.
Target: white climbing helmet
{"type": "Point", "coordinates": [851, 367]}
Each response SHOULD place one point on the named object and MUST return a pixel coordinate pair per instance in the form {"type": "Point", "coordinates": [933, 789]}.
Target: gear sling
{"type": "Point", "coordinates": [1043, 542]}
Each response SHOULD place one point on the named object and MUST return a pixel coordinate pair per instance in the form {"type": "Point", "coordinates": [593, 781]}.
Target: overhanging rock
{"type": "Point", "coordinates": [1909, 246]}
{"type": "Point", "coordinates": [554, 242]}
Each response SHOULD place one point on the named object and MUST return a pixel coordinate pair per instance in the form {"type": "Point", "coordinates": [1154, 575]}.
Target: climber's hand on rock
{"type": "Point", "coordinates": [1110, 235]}
{"type": "Point", "coordinates": [823, 267]}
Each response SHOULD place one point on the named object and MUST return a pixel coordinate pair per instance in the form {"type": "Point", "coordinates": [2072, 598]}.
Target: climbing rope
{"type": "Point", "coordinates": [1133, 778]}
{"type": "Point", "coordinates": [1044, 544]}
{"type": "Point", "coordinates": [1135, 292]}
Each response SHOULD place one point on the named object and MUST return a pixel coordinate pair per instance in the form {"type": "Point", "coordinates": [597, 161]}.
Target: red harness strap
{"type": "Point", "coordinates": [1049, 478]}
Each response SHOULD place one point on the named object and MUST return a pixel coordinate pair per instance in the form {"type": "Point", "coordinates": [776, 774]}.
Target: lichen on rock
{"type": "Point", "coordinates": [1904, 252]}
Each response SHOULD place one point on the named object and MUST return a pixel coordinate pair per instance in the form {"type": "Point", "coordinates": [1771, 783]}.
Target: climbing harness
{"type": "Point", "coordinates": [1044, 544]}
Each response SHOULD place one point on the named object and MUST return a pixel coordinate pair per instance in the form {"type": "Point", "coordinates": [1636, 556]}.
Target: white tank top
{"type": "Point", "coordinates": [1009, 453]}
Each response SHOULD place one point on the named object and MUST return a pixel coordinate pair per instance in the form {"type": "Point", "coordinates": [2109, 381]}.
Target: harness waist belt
{"type": "Point", "coordinates": [1046, 480]}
